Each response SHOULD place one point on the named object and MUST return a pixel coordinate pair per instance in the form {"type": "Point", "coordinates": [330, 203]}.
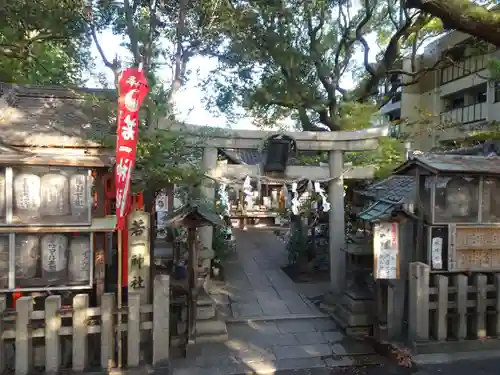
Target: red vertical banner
{"type": "Point", "coordinates": [133, 90]}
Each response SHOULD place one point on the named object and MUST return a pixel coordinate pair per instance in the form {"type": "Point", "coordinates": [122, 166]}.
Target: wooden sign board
{"type": "Point", "coordinates": [139, 262]}
{"type": "Point", "coordinates": [474, 248]}
{"type": "Point", "coordinates": [386, 251]}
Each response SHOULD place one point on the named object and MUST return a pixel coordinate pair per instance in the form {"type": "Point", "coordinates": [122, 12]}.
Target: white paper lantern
{"type": "Point", "coordinates": [54, 252]}
{"type": "Point", "coordinates": [27, 255]}
{"type": "Point", "coordinates": [79, 259]}
{"type": "Point", "coordinates": [79, 199]}
{"type": "Point", "coordinates": [27, 194]}
{"type": "Point", "coordinates": [54, 195]}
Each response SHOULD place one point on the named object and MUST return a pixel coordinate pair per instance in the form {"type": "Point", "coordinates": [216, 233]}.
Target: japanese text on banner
{"type": "Point", "coordinates": [133, 90]}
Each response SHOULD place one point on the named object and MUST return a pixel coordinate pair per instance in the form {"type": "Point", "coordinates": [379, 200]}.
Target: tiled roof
{"type": "Point", "coordinates": [394, 188]}
{"type": "Point", "coordinates": [379, 210]}
{"type": "Point", "coordinates": [455, 163]}
{"type": "Point", "coordinates": [44, 116]}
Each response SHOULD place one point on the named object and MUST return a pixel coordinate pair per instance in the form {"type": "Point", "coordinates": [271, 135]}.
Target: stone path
{"type": "Point", "coordinates": [256, 284]}
{"type": "Point", "coordinates": [272, 326]}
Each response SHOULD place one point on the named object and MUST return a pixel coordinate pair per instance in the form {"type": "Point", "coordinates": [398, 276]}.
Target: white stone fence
{"type": "Point", "coordinates": [452, 306]}
{"type": "Point", "coordinates": [80, 323]}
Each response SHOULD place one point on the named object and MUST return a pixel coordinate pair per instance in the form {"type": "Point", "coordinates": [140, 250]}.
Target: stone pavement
{"type": "Point", "coordinates": [255, 282]}
{"type": "Point", "coordinates": [272, 326]}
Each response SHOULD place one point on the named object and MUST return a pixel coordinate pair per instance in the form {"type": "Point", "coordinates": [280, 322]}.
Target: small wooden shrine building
{"type": "Point", "coordinates": [56, 217]}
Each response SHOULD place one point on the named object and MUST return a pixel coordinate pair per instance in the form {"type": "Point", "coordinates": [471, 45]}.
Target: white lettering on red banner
{"type": "Point", "coordinates": [133, 90]}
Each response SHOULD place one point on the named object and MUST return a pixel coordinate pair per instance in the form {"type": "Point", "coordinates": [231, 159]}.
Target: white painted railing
{"type": "Point", "coordinates": [465, 115]}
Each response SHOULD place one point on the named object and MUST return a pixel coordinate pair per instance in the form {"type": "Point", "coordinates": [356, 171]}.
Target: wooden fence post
{"type": "Point", "coordinates": [461, 302]}
{"type": "Point", "coordinates": [440, 324]}
{"type": "Point", "coordinates": [497, 304]}
{"type": "Point", "coordinates": [161, 319]}
{"type": "Point", "coordinates": [479, 326]}
{"type": "Point", "coordinates": [419, 301]}
{"type": "Point", "coordinates": [80, 316]}
{"type": "Point", "coordinates": [107, 330]}
{"type": "Point", "coordinates": [133, 329]}
{"type": "Point", "coordinates": [24, 307]}
{"type": "Point", "coordinates": [3, 307]}
{"type": "Point", "coordinates": [52, 339]}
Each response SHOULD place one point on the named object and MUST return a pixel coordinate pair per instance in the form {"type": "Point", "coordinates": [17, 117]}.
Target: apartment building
{"type": "Point", "coordinates": [451, 102]}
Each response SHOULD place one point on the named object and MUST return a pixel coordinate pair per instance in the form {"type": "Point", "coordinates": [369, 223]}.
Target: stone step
{"type": "Point", "coordinates": [211, 330]}
{"type": "Point", "coordinates": [356, 331]}
{"type": "Point", "coordinates": [204, 300]}
{"type": "Point", "coordinates": [205, 312]}
{"type": "Point", "coordinates": [354, 319]}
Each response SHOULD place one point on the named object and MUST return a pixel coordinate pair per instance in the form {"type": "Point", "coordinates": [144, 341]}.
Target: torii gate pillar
{"type": "Point", "coordinates": [336, 240]}
{"type": "Point", "coordinates": [209, 162]}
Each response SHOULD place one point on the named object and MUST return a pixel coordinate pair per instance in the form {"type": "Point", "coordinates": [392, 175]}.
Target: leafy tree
{"type": "Point", "coordinates": [477, 18]}
{"type": "Point", "coordinates": [149, 29]}
{"type": "Point", "coordinates": [43, 41]}
{"type": "Point", "coordinates": [287, 58]}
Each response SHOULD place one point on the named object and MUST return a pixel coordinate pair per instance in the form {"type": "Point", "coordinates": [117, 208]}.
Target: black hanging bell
{"type": "Point", "coordinates": [278, 147]}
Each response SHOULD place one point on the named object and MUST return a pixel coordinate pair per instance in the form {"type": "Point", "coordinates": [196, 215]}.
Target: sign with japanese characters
{"type": "Point", "coordinates": [79, 196]}
{"type": "Point", "coordinates": [474, 248]}
{"type": "Point", "coordinates": [54, 252]}
{"type": "Point", "coordinates": [133, 90]}
{"type": "Point", "coordinates": [386, 251]}
{"type": "Point", "coordinates": [138, 254]}
{"type": "Point", "coordinates": [161, 213]}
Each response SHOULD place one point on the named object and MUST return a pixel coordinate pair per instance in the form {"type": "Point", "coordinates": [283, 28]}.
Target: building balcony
{"type": "Point", "coordinates": [465, 115]}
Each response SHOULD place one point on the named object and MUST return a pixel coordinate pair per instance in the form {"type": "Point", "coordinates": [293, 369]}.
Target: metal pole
{"type": "Point", "coordinates": [119, 302]}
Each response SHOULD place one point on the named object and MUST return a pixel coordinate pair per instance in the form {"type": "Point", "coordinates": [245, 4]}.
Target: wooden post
{"type": "Point", "coordinates": [161, 319]}
{"type": "Point", "coordinates": [107, 330]}
{"type": "Point", "coordinates": [3, 307]}
{"type": "Point", "coordinates": [440, 324]}
{"type": "Point", "coordinates": [24, 307]}
{"type": "Point", "coordinates": [119, 301]}
{"type": "Point", "coordinates": [133, 329]}
{"type": "Point", "coordinates": [419, 302]}
{"type": "Point", "coordinates": [80, 344]}
{"type": "Point", "coordinates": [479, 326]}
{"type": "Point", "coordinates": [461, 301]}
{"type": "Point", "coordinates": [497, 304]}
{"type": "Point", "coordinates": [52, 338]}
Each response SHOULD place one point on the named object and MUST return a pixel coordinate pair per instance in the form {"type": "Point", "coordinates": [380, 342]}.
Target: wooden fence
{"type": "Point", "coordinates": [83, 326]}
{"type": "Point", "coordinates": [452, 306]}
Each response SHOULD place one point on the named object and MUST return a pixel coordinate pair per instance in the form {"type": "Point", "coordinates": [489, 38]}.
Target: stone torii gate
{"type": "Point", "coordinates": [336, 143]}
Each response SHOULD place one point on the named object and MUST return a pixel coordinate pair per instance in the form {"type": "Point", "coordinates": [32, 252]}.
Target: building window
{"type": "Point", "coordinates": [454, 103]}
{"type": "Point", "coordinates": [480, 97]}
{"type": "Point", "coordinates": [497, 92]}
{"type": "Point", "coordinates": [394, 131]}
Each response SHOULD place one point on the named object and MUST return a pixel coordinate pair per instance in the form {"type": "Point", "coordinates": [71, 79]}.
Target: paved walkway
{"type": "Point", "coordinates": [272, 326]}
{"type": "Point", "coordinates": [256, 284]}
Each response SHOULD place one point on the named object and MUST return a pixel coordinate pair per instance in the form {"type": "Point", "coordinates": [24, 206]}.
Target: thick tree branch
{"type": "Point", "coordinates": [368, 87]}
{"type": "Point", "coordinates": [131, 31]}
{"type": "Point", "coordinates": [464, 16]}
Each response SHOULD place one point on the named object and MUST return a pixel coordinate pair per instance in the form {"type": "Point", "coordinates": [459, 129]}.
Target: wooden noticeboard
{"type": "Point", "coordinates": [138, 254]}
{"type": "Point", "coordinates": [474, 247]}
{"type": "Point", "coordinates": [386, 251]}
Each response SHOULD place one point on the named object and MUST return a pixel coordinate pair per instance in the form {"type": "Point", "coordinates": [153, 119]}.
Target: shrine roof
{"type": "Point", "coordinates": [192, 213]}
{"type": "Point", "coordinates": [452, 163]}
{"type": "Point", "coordinates": [394, 188]}
{"type": "Point", "coordinates": [47, 116]}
